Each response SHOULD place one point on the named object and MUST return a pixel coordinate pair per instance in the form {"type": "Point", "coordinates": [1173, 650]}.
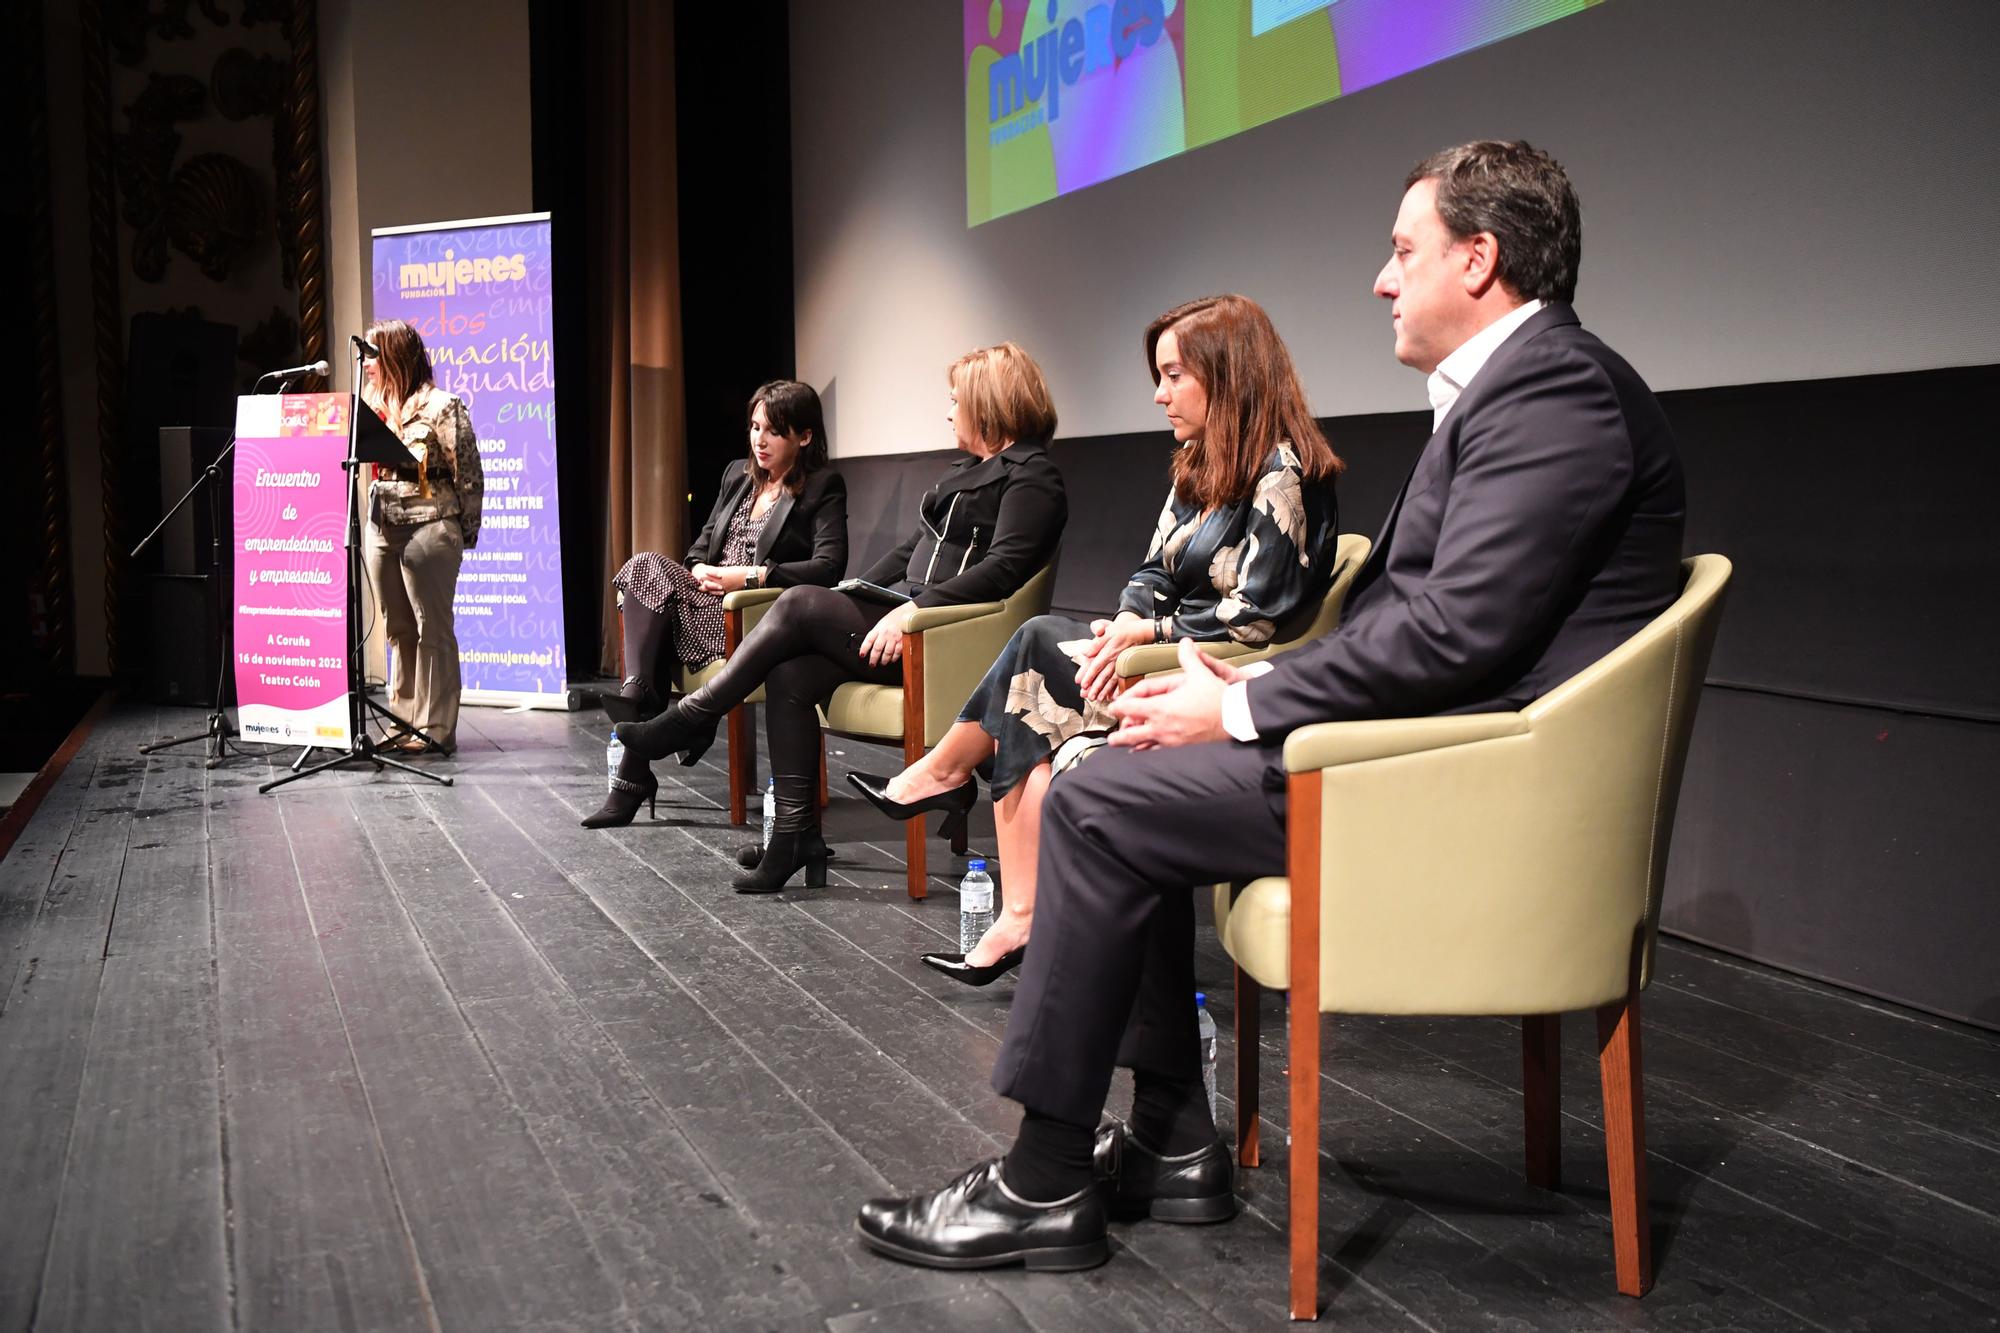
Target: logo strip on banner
{"type": "Point", "coordinates": [479, 293]}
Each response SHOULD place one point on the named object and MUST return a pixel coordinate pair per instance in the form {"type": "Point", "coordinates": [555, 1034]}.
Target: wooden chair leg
{"type": "Point", "coordinates": [739, 770]}
{"type": "Point", "coordinates": [1541, 1083]}
{"type": "Point", "coordinates": [1248, 1147]}
{"type": "Point", "coordinates": [1304, 1164]}
{"type": "Point", "coordinates": [1302, 865]}
{"type": "Point", "coordinates": [915, 834]}
{"type": "Point", "coordinates": [1621, 1071]}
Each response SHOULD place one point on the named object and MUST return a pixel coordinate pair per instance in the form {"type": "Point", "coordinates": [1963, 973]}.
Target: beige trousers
{"type": "Point", "coordinates": [414, 571]}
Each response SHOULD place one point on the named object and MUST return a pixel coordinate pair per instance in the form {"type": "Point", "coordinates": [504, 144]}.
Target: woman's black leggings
{"type": "Point", "coordinates": [800, 651]}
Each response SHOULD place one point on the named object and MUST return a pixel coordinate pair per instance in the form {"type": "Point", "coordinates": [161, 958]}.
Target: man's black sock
{"type": "Point", "coordinates": [1050, 1159]}
{"type": "Point", "coordinates": [1169, 1115]}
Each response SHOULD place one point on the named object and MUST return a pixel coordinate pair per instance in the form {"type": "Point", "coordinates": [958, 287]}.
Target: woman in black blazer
{"type": "Point", "coordinates": [982, 532]}
{"type": "Point", "coordinates": [779, 522]}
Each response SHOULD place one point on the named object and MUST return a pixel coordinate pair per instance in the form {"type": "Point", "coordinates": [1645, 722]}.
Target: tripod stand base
{"type": "Point", "coordinates": [217, 747]}
{"type": "Point", "coordinates": [364, 751]}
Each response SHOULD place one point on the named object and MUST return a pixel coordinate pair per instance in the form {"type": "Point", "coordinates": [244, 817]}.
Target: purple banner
{"type": "Point", "coordinates": [290, 595]}
{"type": "Point", "coordinates": [480, 295]}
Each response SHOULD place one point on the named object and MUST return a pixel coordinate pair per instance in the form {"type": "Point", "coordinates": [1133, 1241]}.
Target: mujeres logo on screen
{"type": "Point", "coordinates": [445, 276]}
{"type": "Point", "coordinates": [1041, 69]}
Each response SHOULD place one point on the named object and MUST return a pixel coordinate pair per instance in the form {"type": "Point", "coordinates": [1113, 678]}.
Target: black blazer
{"type": "Point", "coordinates": [1563, 486]}
{"type": "Point", "coordinates": [984, 530]}
{"type": "Point", "coordinates": [804, 538]}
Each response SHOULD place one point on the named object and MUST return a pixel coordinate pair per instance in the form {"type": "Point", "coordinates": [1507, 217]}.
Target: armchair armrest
{"type": "Point", "coordinates": [920, 619]}
{"type": "Point", "coordinates": [1151, 658]}
{"type": "Point", "coordinates": [1331, 744]}
{"type": "Point", "coordinates": [745, 598]}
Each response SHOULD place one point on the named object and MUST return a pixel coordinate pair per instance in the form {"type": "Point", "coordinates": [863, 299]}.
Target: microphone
{"type": "Point", "coordinates": [367, 348]}
{"type": "Point", "coordinates": [293, 372]}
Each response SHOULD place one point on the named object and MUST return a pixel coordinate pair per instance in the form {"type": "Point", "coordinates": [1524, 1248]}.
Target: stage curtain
{"type": "Point", "coordinates": [635, 335]}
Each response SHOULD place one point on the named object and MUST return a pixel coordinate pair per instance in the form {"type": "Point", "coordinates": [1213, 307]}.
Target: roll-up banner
{"type": "Point", "coordinates": [479, 292]}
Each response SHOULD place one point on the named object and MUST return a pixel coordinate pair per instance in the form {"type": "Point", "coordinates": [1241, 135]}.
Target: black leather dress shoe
{"type": "Point", "coordinates": [1195, 1187]}
{"type": "Point", "coordinates": [977, 1222]}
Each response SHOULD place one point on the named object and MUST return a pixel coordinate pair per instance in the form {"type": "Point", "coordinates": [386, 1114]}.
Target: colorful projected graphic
{"type": "Point", "coordinates": [1060, 94]}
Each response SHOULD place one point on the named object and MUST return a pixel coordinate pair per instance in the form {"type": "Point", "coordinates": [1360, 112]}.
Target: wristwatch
{"type": "Point", "coordinates": [754, 578]}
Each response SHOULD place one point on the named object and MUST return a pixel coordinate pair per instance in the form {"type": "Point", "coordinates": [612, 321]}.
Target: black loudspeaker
{"type": "Point", "coordinates": [179, 371]}
{"type": "Point", "coordinates": [185, 547]}
{"type": "Point", "coordinates": [181, 641]}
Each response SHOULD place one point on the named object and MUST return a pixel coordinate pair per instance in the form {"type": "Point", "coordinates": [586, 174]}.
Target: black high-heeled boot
{"type": "Point", "coordinates": [674, 731]}
{"type": "Point", "coordinates": [635, 699]}
{"type": "Point", "coordinates": [623, 802]}
{"type": "Point", "coordinates": [750, 853]}
{"type": "Point", "coordinates": [782, 859]}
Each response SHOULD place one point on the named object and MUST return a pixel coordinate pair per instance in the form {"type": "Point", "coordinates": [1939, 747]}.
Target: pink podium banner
{"type": "Point", "coordinates": [291, 569]}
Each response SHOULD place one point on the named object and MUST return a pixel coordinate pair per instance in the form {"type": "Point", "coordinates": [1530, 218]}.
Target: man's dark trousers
{"type": "Point", "coordinates": [1124, 835]}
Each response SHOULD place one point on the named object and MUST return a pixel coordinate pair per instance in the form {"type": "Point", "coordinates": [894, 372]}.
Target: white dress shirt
{"type": "Point", "coordinates": [1445, 385]}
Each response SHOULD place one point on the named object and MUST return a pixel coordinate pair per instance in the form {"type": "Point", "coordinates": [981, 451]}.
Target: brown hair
{"type": "Point", "coordinates": [1255, 401]}
{"type": "Point", "coordinates": [1003, 394]}
{"type": "Point", "coordinates": [791, 408]}
{"type": "Point", "coordinates": [406, 367]}
{"type": "Point", "coordinates": [1523, 197]}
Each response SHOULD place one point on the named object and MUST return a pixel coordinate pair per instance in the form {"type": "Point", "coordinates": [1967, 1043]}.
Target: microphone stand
{"type": "Point", "coordinates": [216, 738]}
{"type": "Point", "coordinates": [361, 747]}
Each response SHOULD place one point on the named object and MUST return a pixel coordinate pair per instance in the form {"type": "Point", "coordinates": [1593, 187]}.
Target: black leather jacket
{"type": "Point", "coordinates": [984, 530]}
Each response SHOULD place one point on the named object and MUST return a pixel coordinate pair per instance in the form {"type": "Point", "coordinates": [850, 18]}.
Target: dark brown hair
{"type": "Point", "coordinates": [1001, 391]}
{"type": "Point", "coordinates": [1255, 401]}
{"type": "Point", "coordinates": [791, 408]}
{"type": "Point", "coordinates": [1523, 197]}
{"type": "Point", "coordinates": [406, 367]}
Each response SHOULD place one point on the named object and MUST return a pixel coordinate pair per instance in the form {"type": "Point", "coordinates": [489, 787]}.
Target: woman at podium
{"type": "Point", "coordinates": [422, 517]}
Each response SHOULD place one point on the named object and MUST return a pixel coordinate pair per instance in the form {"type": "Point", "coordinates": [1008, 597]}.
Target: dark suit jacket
{"type": "Point", "coordinates": [804, 538]}
{"type": "Point", "coordinates": [1540, 528]}
{"type": "Point", "coordinates": [983, 530]}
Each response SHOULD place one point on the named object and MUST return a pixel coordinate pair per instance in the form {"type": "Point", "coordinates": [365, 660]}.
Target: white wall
{"type": "Point", "coordinates": [1772, 190]}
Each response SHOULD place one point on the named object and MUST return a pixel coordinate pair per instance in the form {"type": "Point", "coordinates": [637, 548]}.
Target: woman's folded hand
{"type": "Point", "coordinates": [1097, 678]}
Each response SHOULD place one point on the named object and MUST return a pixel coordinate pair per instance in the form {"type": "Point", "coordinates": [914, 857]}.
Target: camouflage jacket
{"type": "Point", "coordinates": [444, 478]}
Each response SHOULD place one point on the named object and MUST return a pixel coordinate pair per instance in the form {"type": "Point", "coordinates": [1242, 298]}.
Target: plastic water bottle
{"type": "Point", "coordinates": [770, 808]}
{"type": "Point", "coordinates": [1205, 1025]}
{"type": "Point", "coordinates": [975, 905]}
{"type": "Point", "coordinates": [614, 754]}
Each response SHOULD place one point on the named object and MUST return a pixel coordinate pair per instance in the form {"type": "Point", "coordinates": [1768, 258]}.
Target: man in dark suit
{"type": "Point", "coordinates": [1540, 528]}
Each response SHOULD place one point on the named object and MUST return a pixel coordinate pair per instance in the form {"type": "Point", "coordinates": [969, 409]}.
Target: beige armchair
{"type": "Point", "coordinates": [1498, 863]}
{"type": "Point", "coordinates": [946, 650]}
{"type": "Point", "coordinates": [1156, 659]}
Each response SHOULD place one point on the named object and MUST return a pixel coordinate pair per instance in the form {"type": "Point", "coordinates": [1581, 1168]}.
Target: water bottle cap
{"type": "Point", "coordinates": [976, 864]}
{"type": "Point", "coordinates": [770, 784]}
{"type": "Point", "coordinates": [1200, 1000]}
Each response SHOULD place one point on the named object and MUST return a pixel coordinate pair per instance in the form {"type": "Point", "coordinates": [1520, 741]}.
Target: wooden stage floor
{"type": "Point", "coordinates": [374, 1054]}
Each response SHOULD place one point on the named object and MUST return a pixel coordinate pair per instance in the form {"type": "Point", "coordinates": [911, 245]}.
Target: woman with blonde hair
{"type": "Point", "coordinates": [982, 532]}
{"type": "Point", "coordinates": [1245, 540]}
{"type": "Point", "coordinates": [423, 516]}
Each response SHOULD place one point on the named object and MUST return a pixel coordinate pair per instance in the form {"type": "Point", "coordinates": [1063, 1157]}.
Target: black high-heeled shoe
{"type": "Point", "coordinates": [624, 801]}
{"type": "Point", "coordinates": [672, 732]}
{"type": "Point", "coordinates": [957, 803]}
{"type": "Point", "coordinates": [642, 701]}
{"type": "Point", "coordinates": [782, 859]}
{"type": "Point", "coordinates": [954, 966]}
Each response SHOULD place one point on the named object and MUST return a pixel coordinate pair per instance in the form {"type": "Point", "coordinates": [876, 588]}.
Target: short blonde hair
{"type": "Point", "coordinates": [1002, 395]}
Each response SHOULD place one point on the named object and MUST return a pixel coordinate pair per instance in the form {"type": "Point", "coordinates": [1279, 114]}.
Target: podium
{"type": "Point", "coordinates": [296, 594]}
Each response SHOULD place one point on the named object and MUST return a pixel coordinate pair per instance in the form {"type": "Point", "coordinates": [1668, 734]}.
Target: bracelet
{"type": "Point", "coordinates": [1161, 632]}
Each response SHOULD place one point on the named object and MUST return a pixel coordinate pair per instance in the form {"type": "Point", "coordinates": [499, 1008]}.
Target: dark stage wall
{"type": "Point", "coordinates": [1836, 817]}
